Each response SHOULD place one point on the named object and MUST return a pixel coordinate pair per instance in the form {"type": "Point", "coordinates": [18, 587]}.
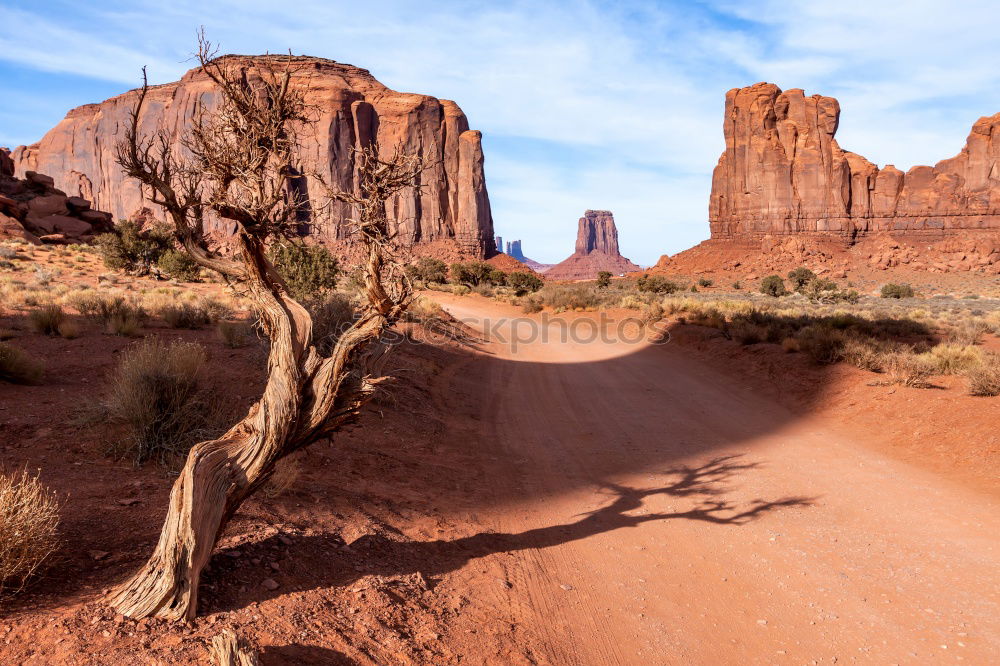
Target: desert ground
{"type": "Point", "coordinates": [675, 498]}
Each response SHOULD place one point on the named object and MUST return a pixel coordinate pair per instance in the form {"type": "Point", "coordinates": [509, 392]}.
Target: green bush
{"type": "Point", "coordinates": [603, 279]}
{"type": "Point", "coordinates": [310, 271]}
{"type": "Point", "coordinates": [893, 290]}
{"type": "Point", "coordinates": [800, 277]}
{"type": "Point", "coordinates": [497, 278]}
{"type": "Point", "coordinates": [428, 269]}
{"type": "Point", "coordinates": [773, 285]}
{"type": "Point", "coordinates": [178, 265]}
{"type": "Point", "coordinates": [133, 250]}
{"type": "Point", "coordinates": [523, 282]}
{"type": "Point", "coordinates": [656, 284]}
{"type": "Point", "coordinates": [472, 273]}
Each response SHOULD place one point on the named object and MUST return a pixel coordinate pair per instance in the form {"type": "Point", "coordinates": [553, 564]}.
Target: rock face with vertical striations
{"type": "Point", "coordinates": [449, 214]}
{"type": "Point", "coordinates": [596, 250]}
{"type": "Point", "coordinates": [783, 173]}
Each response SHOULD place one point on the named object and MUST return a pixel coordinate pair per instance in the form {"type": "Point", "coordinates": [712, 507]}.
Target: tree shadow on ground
{"type": "Point", "coordinates": [303, 655]}
{"type": "Point", "coordinates": [319, 561]}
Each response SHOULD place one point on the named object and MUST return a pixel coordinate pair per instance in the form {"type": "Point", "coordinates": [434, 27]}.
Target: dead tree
{"type": "Point", "coordinates": [237, 162]}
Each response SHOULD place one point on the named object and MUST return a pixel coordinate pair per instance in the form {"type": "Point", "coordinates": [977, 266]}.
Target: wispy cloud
{"type": "Point", "coordinates": [584, 104]}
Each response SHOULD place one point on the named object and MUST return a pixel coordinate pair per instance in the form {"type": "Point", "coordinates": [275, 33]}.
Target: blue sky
{"type": "Point", "coordinates": [613, 105]}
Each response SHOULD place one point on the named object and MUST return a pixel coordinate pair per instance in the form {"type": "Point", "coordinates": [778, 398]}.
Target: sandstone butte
{"type": "Point", "coordinates": [596, 250]}
{"type": "Point", "coordinates": [784, 191]}
{"type": "Point", "coordinates": [514, 250]}
{"type": "Point", "coordinates": [450, 215]}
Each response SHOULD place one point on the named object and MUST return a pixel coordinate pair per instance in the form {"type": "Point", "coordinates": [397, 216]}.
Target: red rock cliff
{"type": "Point", "coordinates": [353, 108]}
{"type": "Point", "coordinates": [783, 172]}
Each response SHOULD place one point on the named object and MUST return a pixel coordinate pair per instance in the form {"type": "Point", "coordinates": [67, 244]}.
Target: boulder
{"type": "Point", "coordinates": [63, 224]}
{"type": "Point", "coordinates": [77, 204]}
{"type": "Point", "coordinates": [11, 228]}
{"type": "Point", "coordinates": [43, 206]}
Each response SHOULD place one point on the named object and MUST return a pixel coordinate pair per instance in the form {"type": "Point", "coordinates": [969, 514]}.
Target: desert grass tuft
{"type": "Point", "coordinates": [155, 392]}
{"type": "Point", "coordinates": [29, 522]}
{"type": "Point", "coordinates": [17, 367]}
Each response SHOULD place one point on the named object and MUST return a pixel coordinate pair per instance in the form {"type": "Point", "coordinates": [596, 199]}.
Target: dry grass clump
{"type": "Point", "coordinates": [155, 392]}
{"type": "Point", "coordinates": [120, 314]}
{"type": "Point", "coordinates": [17, 367]}
{"type": "Point", "coordinates": [335, 312]}
{"type": "Point", "coordinates": [951, 359]}
{"type": "Point", "coordinates": [632, 302]}
{"type": "Point", "coordinates": [47, 319]}
{"type": "Point", "coordinates": [532, 304]}
{"type": "Point", "coordinates": [235, 334]}
{"type": "Point", "coordinates": [908, 369]}
{"type": "Point", "coordinates": [29, 520]}
{"type": "Point", "coordinates": [983, 379]}
{"type": "Point", "coordinates": [969, 332]}
{"type": "Point", "coordinates": [863, 354]}
{"type": "Point", "coordinates": [822, 344]}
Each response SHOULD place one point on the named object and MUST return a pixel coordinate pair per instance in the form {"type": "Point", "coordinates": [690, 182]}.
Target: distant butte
{"type": "Point", "coordinates": [596, 250]}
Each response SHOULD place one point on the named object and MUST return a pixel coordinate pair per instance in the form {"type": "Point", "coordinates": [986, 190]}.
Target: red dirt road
{"type": "Point", "coordinates": [655, 512]}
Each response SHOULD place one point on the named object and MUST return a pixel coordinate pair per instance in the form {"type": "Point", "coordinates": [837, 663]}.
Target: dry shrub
{"type": "Point", "coordinates": [632, 302]}
{"type": "Point", "coordinates": [116, 311]}
{"type": "Point", "coordinates": [790, 345]}
{"type": "Point", "coordinates": [332, 315]}
{"type": "Point", "coordinates": [951, 359]}
{"type": "Point", "coordinates": [993, 319]}
{"type": "Point", "coordinates": [185, 315]}
{"type": "Point", "coordinates": [29, 519]}
{"type": "Point", "coordinates": [863, 354]}
{"type": "Point", "coordinates": [47, 319]}
{"type": "Point", "coordinates": [748, 333]}
{"type": "Point", "coordinates": [155, 392]}
{"type": "Point", "coordinates": [69, 329]}
{"type": "Point", "coordinates": [653, 313]}
{"type": "Point", "coordinates": [531, 305]}
{"type": "Point", "coordinates": [18, 367]}
{"type": "Point", "coordinates": [984, 379]}
{"type": "Point", "coordinates": [969, 332]}
{"type": "Point", "coordinates": [823, 345]}
{"type": "Point", "coordinates": [235, 334]}
{"type": "Point", "coordinates": [906, 368]}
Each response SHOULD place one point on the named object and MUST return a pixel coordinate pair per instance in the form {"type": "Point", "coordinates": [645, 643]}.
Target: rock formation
{"type": "Point", "coordinates": [514, 250]}
{"type": "Point", "coordinates": [783, 173]}
{"type": "Point", "coordinates": [451, 210]}
{"type": "Point", "coordinates": [32, 209]}
{"type": "Point", "coordinates": [596, 250]}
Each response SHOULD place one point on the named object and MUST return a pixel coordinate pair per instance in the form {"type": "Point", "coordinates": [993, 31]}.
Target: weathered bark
{"type": "Point", "coordinates": [306, 398]}
{"type": "Point", "coordinates": [241, 169]}
{"type": "Point", "coordinates": [228, 650]}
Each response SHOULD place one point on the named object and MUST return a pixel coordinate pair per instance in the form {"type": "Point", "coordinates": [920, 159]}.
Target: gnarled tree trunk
{"type": "Point", "coordinates": [306, 397]}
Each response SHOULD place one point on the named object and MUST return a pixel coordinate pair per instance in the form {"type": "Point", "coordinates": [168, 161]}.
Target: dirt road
{"type": "Point", "coordinates": [657, 511]}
